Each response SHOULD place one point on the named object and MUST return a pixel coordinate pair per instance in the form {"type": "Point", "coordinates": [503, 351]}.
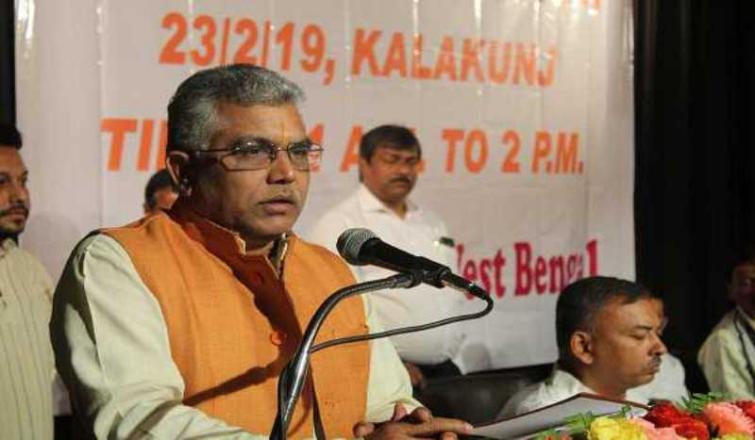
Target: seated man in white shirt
{"type": "Point", "coordinates": [608, 333]}
{"type": "Point", "coordinates": [389, 160]}
{"type": "Point", "coordinates": [728, 354]}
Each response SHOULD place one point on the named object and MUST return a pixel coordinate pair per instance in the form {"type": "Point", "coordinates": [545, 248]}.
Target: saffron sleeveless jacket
{"type": "Point", "coordinates": [233, 322]}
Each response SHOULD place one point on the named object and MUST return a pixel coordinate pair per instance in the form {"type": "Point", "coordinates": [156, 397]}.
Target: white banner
{"type": "Point", "coordinates": [523, 108]}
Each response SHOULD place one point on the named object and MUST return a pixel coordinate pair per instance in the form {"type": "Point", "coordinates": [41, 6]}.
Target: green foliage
{"type": "Point", "coordinates": [697, 401]}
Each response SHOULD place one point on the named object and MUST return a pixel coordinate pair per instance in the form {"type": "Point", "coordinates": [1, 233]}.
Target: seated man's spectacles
{"type": "Point", "coordinates": [249, 155]}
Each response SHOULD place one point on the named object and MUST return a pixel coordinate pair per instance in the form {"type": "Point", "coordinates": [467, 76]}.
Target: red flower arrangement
{"type": "Point", "coordinates": [664, 415]}
{"type": "Point", "coordinates": [748, 407]}
{"type": "Point", "coordinates": [703, 417]}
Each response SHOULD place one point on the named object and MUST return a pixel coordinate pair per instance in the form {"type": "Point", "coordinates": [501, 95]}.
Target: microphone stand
{"type": "Point", "coordinates": [292, 377]}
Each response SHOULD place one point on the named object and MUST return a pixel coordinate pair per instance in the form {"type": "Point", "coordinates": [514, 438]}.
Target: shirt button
{"type": "Point", "coordinates": [278, 337]}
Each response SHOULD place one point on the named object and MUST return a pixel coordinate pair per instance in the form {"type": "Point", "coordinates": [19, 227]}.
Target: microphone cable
{"type": "Point", "coordinates": [402, 330]}
{"type": "Point", "coordinates": [289, 385]}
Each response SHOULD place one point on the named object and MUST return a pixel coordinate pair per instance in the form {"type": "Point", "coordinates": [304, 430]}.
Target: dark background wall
{"type": "Point", "coordinates": [694, 184]}
{"type": "Point", "coordinates": [695, 189]}
{"type": "Point", "coordinates": [7, 75]}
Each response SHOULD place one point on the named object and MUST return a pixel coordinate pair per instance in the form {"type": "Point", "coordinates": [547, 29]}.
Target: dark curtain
{"type": "Point", "coordinates": [7, 74]}
{"type": "Point", "coordinates": [694, 187]}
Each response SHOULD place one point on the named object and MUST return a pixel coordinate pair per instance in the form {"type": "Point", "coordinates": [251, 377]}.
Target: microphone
{"type": "Point", "coordinates": [359, 246]}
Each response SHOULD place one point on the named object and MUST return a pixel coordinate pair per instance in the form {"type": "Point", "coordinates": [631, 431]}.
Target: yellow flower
{"type": "Point", "coordinates": [607, 428]}
{"type": "Point", "coordinates": [736, 437]}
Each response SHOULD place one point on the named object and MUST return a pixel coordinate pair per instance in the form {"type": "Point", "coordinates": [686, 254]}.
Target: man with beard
{"type": "Point", "coordinates": [178, 325]}
{"type": "Point", "coordinates": [727, 357]}
{"type": "Point", "coordinates": [389, 160]}
{"type": "Point", "coordinates": [26, 376]}
{"type": "Point", "coordinates": [608, 333]}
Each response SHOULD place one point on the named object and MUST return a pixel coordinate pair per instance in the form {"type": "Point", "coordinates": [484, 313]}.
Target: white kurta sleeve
{"type": "Point", "coordinates": [389, 381]}
{"type": "Point", "coordinates": [112, 350]}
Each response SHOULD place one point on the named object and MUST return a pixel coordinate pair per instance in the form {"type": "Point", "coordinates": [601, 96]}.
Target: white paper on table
{"type": "Point", "coordinates": [552, 416]}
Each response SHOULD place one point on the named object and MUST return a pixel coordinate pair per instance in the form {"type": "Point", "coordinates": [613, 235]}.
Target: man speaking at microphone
{"type": "Point", "coordinates": [178, 325]}
{"type": "Point", "coordinates": [389, 160]}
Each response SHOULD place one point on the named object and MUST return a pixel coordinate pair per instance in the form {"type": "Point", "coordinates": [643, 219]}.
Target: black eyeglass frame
{"type": "Point", "coordinates": [272, 154]}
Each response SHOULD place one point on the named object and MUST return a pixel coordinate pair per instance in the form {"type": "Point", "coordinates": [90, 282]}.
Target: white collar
{"type": "Point", "coordinates": [368, 202]}
{"type": "Point", "coordinates": [6, 246]}
{"type": "Point", "coordinates": [745, 317]}
{"type": "Point", "coordinates": [562, 379]}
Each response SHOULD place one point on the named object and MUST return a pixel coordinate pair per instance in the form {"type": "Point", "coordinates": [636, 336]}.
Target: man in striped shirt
{"type": "Point", "coordinates": [26, 363]}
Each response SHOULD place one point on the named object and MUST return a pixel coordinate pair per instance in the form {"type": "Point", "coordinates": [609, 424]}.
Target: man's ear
{"type": "Point", "coordinates": [581, 346]}
{"type": "Point", "coordinates": [177, 163]}
{"type": "Point", "coordinates": [362, 165]}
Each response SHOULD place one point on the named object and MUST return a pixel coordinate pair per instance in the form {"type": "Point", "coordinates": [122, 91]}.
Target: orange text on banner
{"type": "Point", "coordinates": [551, 152]}
{"type": "Point", "coordinates": [122, 133]}
{"type": "Point", "coordinates": [466, 59]}
{"type": "Point", "coordinates": [223, 40]}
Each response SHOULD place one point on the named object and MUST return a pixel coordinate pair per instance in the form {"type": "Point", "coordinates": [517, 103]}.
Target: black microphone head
{"type": "Point", "coordinates": [350, 242]}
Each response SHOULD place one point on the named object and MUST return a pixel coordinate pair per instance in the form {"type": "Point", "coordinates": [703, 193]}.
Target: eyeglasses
{"type": "Point", "coordinates": [252, 155]}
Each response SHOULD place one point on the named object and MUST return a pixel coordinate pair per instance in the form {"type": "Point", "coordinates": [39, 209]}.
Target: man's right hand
{"type": "Point", "coordinates": [418, 424]}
